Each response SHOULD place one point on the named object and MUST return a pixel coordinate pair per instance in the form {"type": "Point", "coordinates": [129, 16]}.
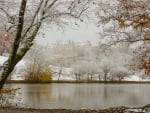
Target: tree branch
{"type": "Point", "coordinates": [52, 4]}
{"type": "Point", "coordinates": [33, 19]}
{"type": "Point", "coordinates": [10, 18]}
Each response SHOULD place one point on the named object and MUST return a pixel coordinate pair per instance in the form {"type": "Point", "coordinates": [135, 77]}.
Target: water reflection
{"type": "Point", "coordinates": [76, 96]}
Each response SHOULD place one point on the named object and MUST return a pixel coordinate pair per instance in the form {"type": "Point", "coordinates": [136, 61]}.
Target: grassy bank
{"type": "Point", "coordinates": [81, 81]}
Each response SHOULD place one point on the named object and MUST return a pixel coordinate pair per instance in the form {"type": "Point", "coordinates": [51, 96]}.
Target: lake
{"type": "Point", "coordinates": [81, 96]}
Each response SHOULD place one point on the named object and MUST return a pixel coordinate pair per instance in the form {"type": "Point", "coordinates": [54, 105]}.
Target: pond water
{"type": "Point", "coordinates": [78, 96]}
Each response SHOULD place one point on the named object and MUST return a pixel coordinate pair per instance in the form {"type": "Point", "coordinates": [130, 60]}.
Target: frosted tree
{"type": "Point", "coordinates": [133, 26]}
{"type": "Point", "coordinates": [106, 66]}
{"type": "Point", "coordinates": [28, 17]}
{"type": "Point", "coordinates": [91, 69]}
{"type": "Point", "coordinates": [78, 70]}
{"type": "Point", "coordinates": [137, 16]}
{"type": "Point", "coordinates": [115, 58]}
{"type": "Point", "coordinates": [141, 60]}
{"type": "Point", "coordinates": [119, 73]}
{"type": "Point", "coordinates": [85, 69]}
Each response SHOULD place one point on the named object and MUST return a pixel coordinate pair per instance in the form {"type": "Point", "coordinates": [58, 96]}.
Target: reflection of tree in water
{"type": "Point", "coordinates": [60, 95]}
{"type": "Point", "coordinates": [84, 95]}
{"type": "Point", "coordinates": [105, 95]}
{"type": "Point", "coordinates": [96, 95]}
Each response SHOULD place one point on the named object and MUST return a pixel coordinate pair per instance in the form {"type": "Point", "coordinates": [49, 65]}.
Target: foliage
{"type": "Point", "coordinates": [134, 13]}
{"type": "Point", "coordinates": [141, 58]}
{"type": "Point", "coordinates": [42, 77]}
{"type": "Point", "coordinates": [137, 13]}
{"type": "Point", "coordinates": [127, 21]}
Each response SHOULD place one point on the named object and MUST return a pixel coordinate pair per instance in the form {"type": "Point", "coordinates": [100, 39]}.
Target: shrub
{"type": "Point", "coordinates": [37, 66]}
{"type": "Point", "coordinates": [42, 77]}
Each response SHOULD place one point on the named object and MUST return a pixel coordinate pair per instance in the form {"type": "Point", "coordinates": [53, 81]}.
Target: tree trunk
{"type": "Point", "coordinates": [105, 77]}
{"type": "Point", "coordinates": [9, 65]}
{"type": "Point", "coordinates": [88, 77]}
{"type": "Point", "coordinates": [59, 74]}
{"type": "Point", "coordinates": [7, 69]}
{"type": "Point", "coordinates": [91, 76]}
{"type": "Point", "coordinates": [99, 77]}
{"type": "Point", "coordinates": [79, 76]}
{"type": "Point", "coordinates": [120, 78]}
{"type": "Point", "coordinates": [76, 77]}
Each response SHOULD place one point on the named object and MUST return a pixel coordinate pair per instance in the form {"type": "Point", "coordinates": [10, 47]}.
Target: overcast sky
{"type": "Point", "coordinates": [82, 34]}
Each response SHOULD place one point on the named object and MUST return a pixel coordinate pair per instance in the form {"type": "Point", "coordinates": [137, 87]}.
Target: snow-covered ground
{"type": "Point", "coordinates": [133, 78]}
{"type": "Point", "coordinates": [66, 73]}
{"type": "Point", "coordinates": [2, 59]}
{"type": "Point", "coordinates": [136, 78]}
{"type": "Point", "coordinates": [18, 71]}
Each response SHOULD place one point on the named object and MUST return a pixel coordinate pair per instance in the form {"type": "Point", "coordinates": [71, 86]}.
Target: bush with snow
{"type": "Point", "coordinates": [78, 70]}
{"type": "Point", "coordinates": [85, 69]}
{"type": "Point", "coordinates": [105, 65]}
{"type": "Point", "coordinates": [141, 74]}
{"type": "Point", "coordinates": [119, 73]}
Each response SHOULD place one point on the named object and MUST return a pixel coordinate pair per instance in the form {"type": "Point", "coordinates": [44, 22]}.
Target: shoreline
{"type": "Point", "coordinates": [122, 109]}
{"type": "Point", "coordinates": [81, 81]}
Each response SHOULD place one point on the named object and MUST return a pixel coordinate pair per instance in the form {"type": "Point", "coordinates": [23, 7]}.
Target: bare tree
{"type": "Point", "coordinates": [59, 73]}
{"type": "Point", "coordinates": [78, 71]}
{"type": "Point", "coordinates": [27, 23]}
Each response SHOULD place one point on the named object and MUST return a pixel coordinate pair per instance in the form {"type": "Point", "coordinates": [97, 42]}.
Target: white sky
{"type": "Point", "coordinates": [82, 34]}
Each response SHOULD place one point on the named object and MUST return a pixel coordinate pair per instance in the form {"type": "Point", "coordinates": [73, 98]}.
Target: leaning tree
{"type": "Point", "coordinates": [26, 17]}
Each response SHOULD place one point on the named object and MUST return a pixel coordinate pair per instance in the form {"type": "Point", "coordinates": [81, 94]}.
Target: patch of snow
{"type": "Point", "coordinates": [2, 60]}
{"type": "Point", "coordinates": [133, 78]}
{"type": "Point", "coordinates": [18, 71]}
{"type": "Point", "coordinates": [128, 22]}
{"type": "Point", "coordinates": [108, 27]}
{"type": "Point", "coordinates": [137, 110]}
